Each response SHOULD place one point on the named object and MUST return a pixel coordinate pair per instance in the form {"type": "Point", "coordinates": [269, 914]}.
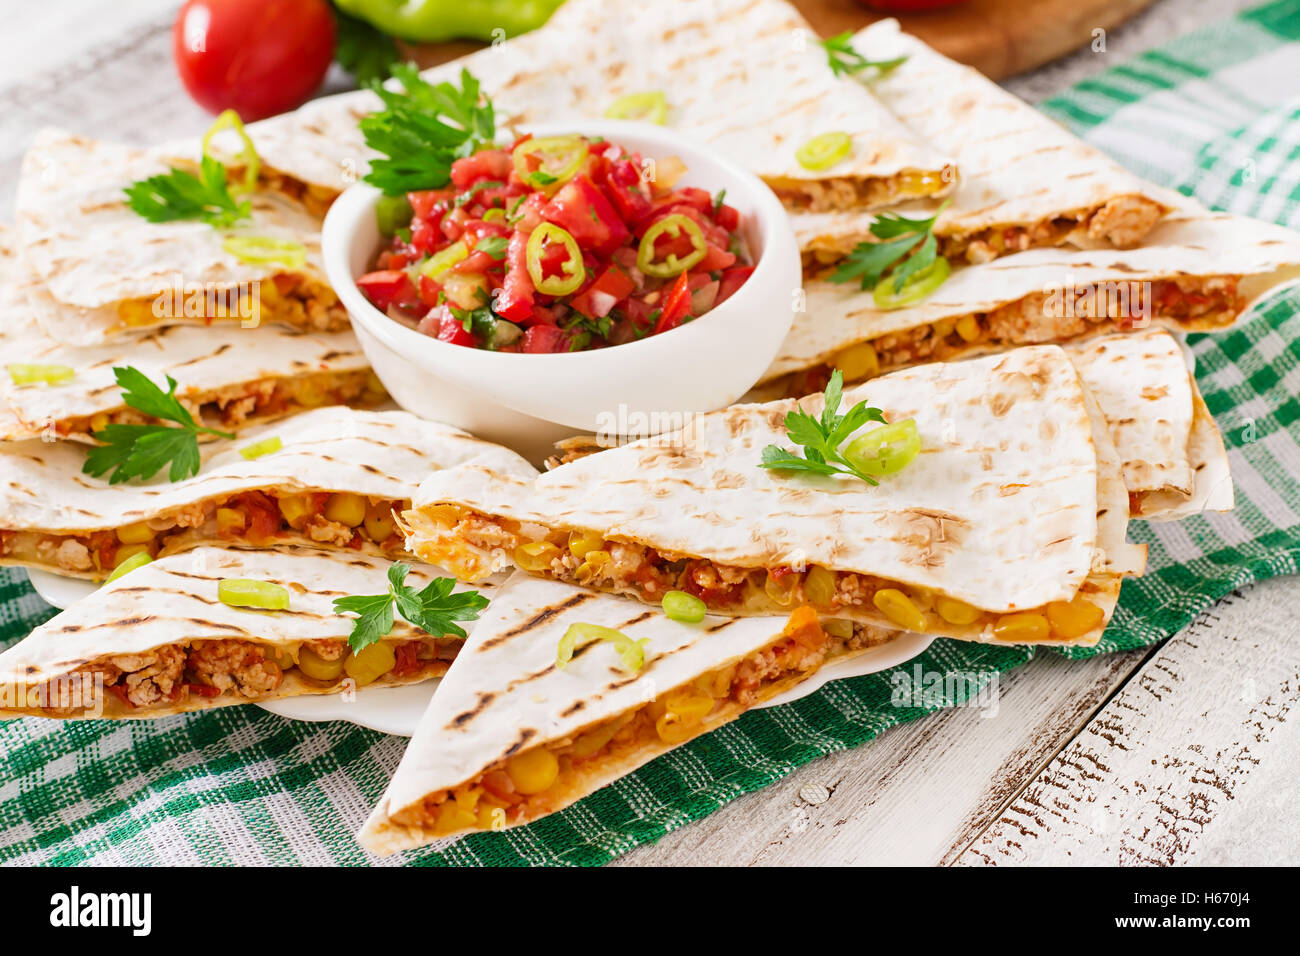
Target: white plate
{"type": "Point", "coordinates": [397, 710]}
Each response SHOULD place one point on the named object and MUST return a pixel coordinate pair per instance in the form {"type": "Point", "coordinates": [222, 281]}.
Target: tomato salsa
{"type": "Point", "coordinates": [557, 244]}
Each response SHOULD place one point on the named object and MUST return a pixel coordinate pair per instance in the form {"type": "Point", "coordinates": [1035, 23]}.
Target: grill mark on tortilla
{"type": "Point", "coordinates": [460, 720]}
{"type": "Point", "coordinates": [719, 626]}
{"type": "Point", "coordinates": [538, 619]}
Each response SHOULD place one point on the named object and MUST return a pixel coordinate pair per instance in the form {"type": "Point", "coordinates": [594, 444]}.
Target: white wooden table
{"type": "Point", "coordinates": [1187, 753]}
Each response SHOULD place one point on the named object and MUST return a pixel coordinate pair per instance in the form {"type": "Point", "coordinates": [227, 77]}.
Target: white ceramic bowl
{"type": "Point", "coordinates": [529, 401]}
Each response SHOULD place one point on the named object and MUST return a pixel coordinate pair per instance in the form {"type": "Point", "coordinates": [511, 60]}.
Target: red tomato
{"type": "Point", "coordinates": [487, 164]}
{"type": "Point", "coordinates": [257, 57]}
{"type": "Point", "coordinates": [386, 288]}
{"type": "Point", "coordinates": [676, 305]}
{"type": "Point", "coordinates": [452, 330]}
{"type": "Point", "coordinates": [613, 286]}
{"type": "Point", "coordinates": [546, 338]}
{"type": "Point", "coordinates": [732, 280]}
{"type": "Point", "coordinates": [582, 209]}
{"type": "Point", "coordinates": [514, 301]}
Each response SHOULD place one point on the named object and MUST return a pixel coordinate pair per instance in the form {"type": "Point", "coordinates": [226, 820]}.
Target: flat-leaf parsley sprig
{"type": "Point", "coordinates": [845, 60]}
{"type": "Point", "coordinates": [177, 195]}
{"type": "Point", "coordinates": [141, 451]}
{"type": "Point", "coordinates": [435, 609]}
{"type": "Point", "coordinates": [423, 129]}
{"type": "Point", "coordinates": [822, 437]}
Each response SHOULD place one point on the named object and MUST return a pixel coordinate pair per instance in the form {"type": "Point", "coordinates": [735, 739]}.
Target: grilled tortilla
{"type": "Point", "coordinates": [229, 377]}
{"type": "Point", "coordinates": [1026, 182]}
{"type": "Point", "coordinates": [107, 270]}
{"type": "Point", "coordinates": [1014, 509]}
{"type": "Point", "coordinates": [1172, 453]}
{"type": "Point", "coordinates": [335, 482]}
{"type": "Point", "coordinates": [509, 737]}
{"type": "Point", "coordinates": [158, 641]}
{"type": "Point", "coordinates": [1200, 271]}
{"type": "Point", "coordinates": [745, 76]}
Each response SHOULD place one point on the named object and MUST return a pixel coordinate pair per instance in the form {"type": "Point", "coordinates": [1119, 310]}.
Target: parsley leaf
{"type": "Point", "coordinates": [495, 246]}
{"type": "Point", "coordinates": [844, 60]}
{"type": "Point", "coordinates": [141, 451]}
{"type": "Point", "coordinates": [907, 245]}
{"type": "Point", "coordinates": [822, 437]}
{"type": "Point", "coordinates": [362, 50]}
{"type": "Point", "coordinates": [423, 129]}
{"type": "Point", "coordinates": [178, 195]}
{"type": "Point", "coordinates": [435, 609]}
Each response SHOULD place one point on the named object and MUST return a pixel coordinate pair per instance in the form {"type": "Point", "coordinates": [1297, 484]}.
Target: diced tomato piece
{"type": "Point", "coordinates": [429, 291]}
{"type": "Point", "coordinates": [732, 279]}
{"type": "Point", "coordinates": [610, 288]}
{"type": "Point", "coordinates": [715, 260]}
{"type": "Point", "coordinates": [262, 519]}
{"type": "Point", "coordinates": [694, 196]}
{"type": "Point", "coordinates": [452, 330]}
{"type": "Point", "coordinates": [583, 211]}
{"type": "Point", "coordinates": [408, 659]}
{"type": "Point", "coordinates": [426, 235]}
{"type": "Point", "coordinates": [728, 217]}
{"type": "Point", "coordinates": [387, 288]}
{"type": "Point", "coordinates": [423, 203]}
{"type": "Point", "coordinates": [632, 203]}
{"type": "Point", "coordinates": [514, 300]}
{"type": "Point", "coordinates": [476, 261]}
{"type": "Point", "coordinates": [204, 690]}
{"type": "Point", "coordinates": [501, 787]}
{"type": "Point", "coordinates": [545, 338]}
{"type": "Point", "coordinates": [676, 305]}
{"type": "Point", "coordinates": [454, 223]}
{"type": "Point", "coordinates": [485, 164]}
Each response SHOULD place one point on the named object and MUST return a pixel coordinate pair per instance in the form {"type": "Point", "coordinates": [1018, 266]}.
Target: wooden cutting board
{"type": "Point", "coordinates": [997, 37]}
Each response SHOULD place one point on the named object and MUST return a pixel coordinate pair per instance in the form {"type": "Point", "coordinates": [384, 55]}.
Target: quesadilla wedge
{"type": "Point", "coordinates": [1200, 271]}
{"type": "Point", "coordinates": [744, 76]}
{"type": "Point", "coordinates": [331, 477]}
{"type": "Point", "coordinates": [1012, 515]}
{"type": "Point", "coordinates": [1026, 182]}
{"type": "Point", "coordinates": [1172, 453]}
{"type": "Point", "coordinates": [159, 640]}
{"type": "Point", "coordinates": [229, 377]}
{"type": "Point", "coordinates": [107, 270]}
{"type": "Point", "coordinates": [511, 737]}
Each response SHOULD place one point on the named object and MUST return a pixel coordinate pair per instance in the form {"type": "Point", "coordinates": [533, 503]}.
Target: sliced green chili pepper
{"type": "Point", "coordinates": [260, 249]}
{"type": "Point", "coordinates": [252, 162]}
{"type": "Point", "coordinates": [259, 448]}
{"type": "Point", "coordinates": [436, 21]}
{"type": "Point", "coordinates": [824, 151]}
{"type": "Point", "coordinates": [245, 592]}
{"type": "Point", "coordinates": [684, 607]}
{"type": "Point", "coordinates": [632, 652]}
{"type": "Point", "coordinates": [572, 267]}
{"type": "Point", "coordinates": [672, 227]}
{"type": "Point", "coordinates": [559, 159]}
{"type": "Point", "coordinates": [886, 450]}
{"type": "Point", "coordinates": [650, 107]}
{"type": "Point", "coordinates": [918, 286]}
{"type": "Point", "coordinates": [25, 374]}
{"type": "Point", "coordinates": [137, 560]}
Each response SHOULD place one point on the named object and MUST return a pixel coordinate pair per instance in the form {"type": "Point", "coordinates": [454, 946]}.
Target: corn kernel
{"type": "Point", "coordinates": [682, 715]}
{"type": "Point", "coordinates": [129, 550]}
{"type": "Point", "coordinates": [819, 586]}
{"type": "Point", "coordinates": [594, 740]}
{"type": "Point", "coordinates": [1020, 628]}
{"type": "Point", "coordinates": [311, 393]}
{"type": "Point", "coordinates": [968, 327]}
{"type": "Point", "coordinates": [370, 663]}
{"type": "Point", "coordinates": [580, 542]}
{"type": "Point", "coordinates": [379, 522]}
{"type": "Point", "coordinates": [490, 817]}
{"type": "Point", "coordinates": [99, 422]}
{"type": "Point", "coordinates": [535, 556]}
{"type": "Point", "coordinates": [1074, 618]}
{"type": "Point", "coordinates": [956, 612]}
{"type": "Point", "coordinates": [452, 817]}
{"type": "Point", "coordinates": [317, 668]}
{"type": "Point", "coordinates": [899, 609]}
{"type": "Point", "coordinates": [230, 521]}
{"type": "Point", "coordinates": [137, 533]}
{"type": "Point", "coordinates": [858, 362]}
{"type": "Point", "coordinates": [533, 770]}
{"type": "Point", "coordinates": [137, 312]}
{"type": "Point", "coordinates": [295, 509]}
{"type": "Point", "coordinates": [346, 508]}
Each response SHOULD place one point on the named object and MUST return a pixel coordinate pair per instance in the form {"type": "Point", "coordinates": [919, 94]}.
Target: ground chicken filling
{"type": "Point", "coordinates": [291, 300]}
{"type": "Point", "coordinates": [525, 784]}
{"type": "Point", "coordinates": [470, 545]}
{"type": "Point", "coordinates": [1120, 223]}
{"type": "Point", "coordinates": [830, 195]}
{"type": "Point", "coordinates": [261, 400]}
{"type": "Point", "coordinates": [1038, 318]}
{"type": "Point", "coordinates": [341, 520]}
{"type": "Point", "coordinates": [240, 670]}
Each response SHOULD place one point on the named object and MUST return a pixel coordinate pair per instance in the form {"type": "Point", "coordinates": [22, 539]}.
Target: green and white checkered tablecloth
{"type": "Point", "coordinates": [1213, 113]}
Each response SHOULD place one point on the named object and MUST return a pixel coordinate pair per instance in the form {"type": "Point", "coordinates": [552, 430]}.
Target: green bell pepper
{"type": "Point", "coordinates": [433, 21]}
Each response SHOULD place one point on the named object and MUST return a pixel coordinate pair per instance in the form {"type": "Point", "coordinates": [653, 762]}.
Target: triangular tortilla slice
{"type": "Point", "coordinates": [232, 377]}
{"type": "Point", "coordinates": [1000, 510]}
{"type": "Point", "coordinates": [1200, 271]}
{"type": "Point", "coordinates": [1173, 456]}
{"type": "Point", "coordinates": [334, 481]}
{"type": "Point", "coordinates": [107, 270]}
{"type": "Point", "coordinates": [158, 641]}
{"type": "Point", "coordinates": [744, 76]}
{"type": "Point", "coordinates": [1026, 182]}
{"type": "Point", "coordinates": [506, 720]}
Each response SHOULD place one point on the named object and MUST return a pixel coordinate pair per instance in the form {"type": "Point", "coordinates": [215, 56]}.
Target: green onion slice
{"type": "Point", "coordinates": [648, 107]}
{"type": "Point", "coordinates": [672, 227]}
{"type": "Point", "coordinates": [684, 607]}
{"type": "Point", "coordinates": [260, 249]}
{"type": "Point", "coordinates": [229, 119]}
{"type": "Point", "coordinates": [126, 566]}
{"type": "Point", "coordinates": [574, 272]}
{"type": "Point", "coordinates": [917, 288]}
{"type": "Point", "coordinates": [824, 151]}
{"type": "Point", "coordinates": [632, 652]}
{"type": "Point", "coordinates": [886, 450]}
{"type": "Point", "coordinates": [25, 374]}
{"type": "Point", "coordinates": [245, 592]}
{"type": "Point", "coordinates": [259, 448]}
